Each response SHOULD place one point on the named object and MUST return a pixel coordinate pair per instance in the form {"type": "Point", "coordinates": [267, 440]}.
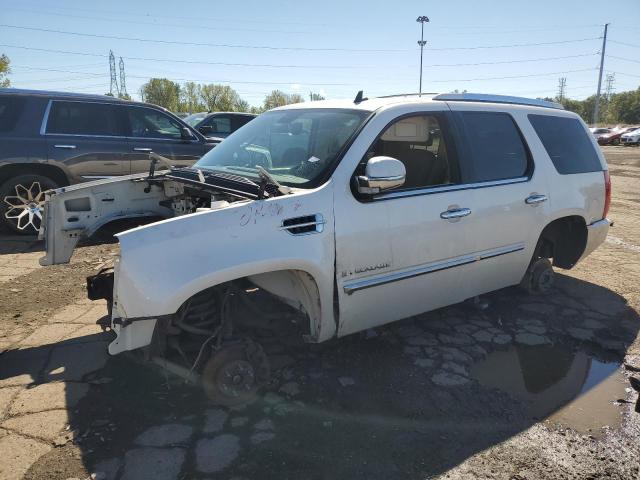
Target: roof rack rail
{"type": "Point", "coordinates": [416, 94]}
{"type": "Point", "coordinates": [483, 97]}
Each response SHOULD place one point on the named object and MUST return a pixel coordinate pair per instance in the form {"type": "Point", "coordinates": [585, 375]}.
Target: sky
{"type": "Point", "coordinates": [333, 47]}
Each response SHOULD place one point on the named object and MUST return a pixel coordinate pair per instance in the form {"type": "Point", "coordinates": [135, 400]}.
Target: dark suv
{"type": "Point", "coordinates": [51, 139]}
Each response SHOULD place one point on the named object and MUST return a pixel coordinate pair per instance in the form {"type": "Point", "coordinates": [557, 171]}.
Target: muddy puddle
{"type": "Point", "coordinates": [565, 387]}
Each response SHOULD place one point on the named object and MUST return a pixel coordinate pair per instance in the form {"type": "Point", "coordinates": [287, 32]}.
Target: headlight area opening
{"type": "Point", "coordinates": [223, 338]}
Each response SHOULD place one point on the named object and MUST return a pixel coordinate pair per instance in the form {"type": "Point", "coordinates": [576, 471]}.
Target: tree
{"type": "Point", "coordinates": [241, 106]}
{"type": "Point", "coordinates": [278, 98]}
{"type": "Point", "coordinates": [163, 92]}
{"type": "Point", "coordinates": [191, 98]}
{"type": "Point", "coordinates": [4, 71]}
{"type": "Point", "coordinates": [314, 97]}
{"type": "Point", "coordinates": [219, 98]}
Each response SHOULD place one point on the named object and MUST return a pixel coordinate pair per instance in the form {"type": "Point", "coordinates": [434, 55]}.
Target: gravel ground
{"type": "Point", "coordinates": [528, 388]}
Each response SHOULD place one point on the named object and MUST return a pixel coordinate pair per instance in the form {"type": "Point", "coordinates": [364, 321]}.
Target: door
{"type": "Point", "coordinates": [400, 253]}
{"type": "Point", "coordinates": [152, 130]}
{"type": "Point", "coordinates": [509, 198]}
{"type": "Point", "coordinates": [86, 137]}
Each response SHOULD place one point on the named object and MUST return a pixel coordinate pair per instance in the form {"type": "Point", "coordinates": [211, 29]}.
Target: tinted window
{"type": "Point", "coordinates": [10, 110]}
{"type": "Point", "coordinates": [419, 143]}
{"type": "Point", "coordinates": [149, 123]}
{"type": "Point", "coordinates": [494, 147]}
{"type": "Point", "coordinates": [219, 124]}
{"type": "Point", "coordinates": [81, 119]}
{"type": "Point", "coordinates": [567, 143]}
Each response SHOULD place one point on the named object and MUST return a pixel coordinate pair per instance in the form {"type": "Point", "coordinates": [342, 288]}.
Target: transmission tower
{"type": "Point", "coordinates": [609, 81]}
{"type": "Point", "coordinates": [113, 88]}
{"type": "Point", "coordinates": [123, 83]}
{"type": "Point", "coordinates": [562, 85]}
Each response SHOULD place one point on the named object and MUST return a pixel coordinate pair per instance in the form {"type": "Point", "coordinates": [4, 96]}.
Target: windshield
{"type": "Point", "coordinates": [295, 146]}
{"type": "Point", "coordinates": [195, 118]}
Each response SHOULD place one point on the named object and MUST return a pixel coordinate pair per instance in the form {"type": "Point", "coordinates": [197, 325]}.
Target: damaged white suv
{"type": "Point", "coordinates": [355, 214]}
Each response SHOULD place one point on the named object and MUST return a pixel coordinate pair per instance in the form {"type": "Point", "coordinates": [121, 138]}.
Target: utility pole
{"type": "Point", "coordinates": [596, 110]}
{"type": "Point", "coordinates": [113, 88]}
{"type": "Point", "coordinates": [422, 43]}
{"type": "Point", "coordinates": [123, 80]}
{"type": "Point", "coordinates": [562, 85]}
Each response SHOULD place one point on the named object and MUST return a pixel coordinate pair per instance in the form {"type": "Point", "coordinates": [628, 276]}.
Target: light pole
{"type": "Point", "coordinates": [422, 42]}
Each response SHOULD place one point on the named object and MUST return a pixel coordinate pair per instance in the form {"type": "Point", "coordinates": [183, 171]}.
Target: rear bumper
{"type": "Point", "coordinates": [596, 234]}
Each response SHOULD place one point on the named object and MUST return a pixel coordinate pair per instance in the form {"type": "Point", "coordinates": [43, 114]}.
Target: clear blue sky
{"type": "Point", "coordinates": [383, 34]}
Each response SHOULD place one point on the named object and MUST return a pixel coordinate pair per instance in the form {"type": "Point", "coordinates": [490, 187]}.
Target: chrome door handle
{"type": "Point", "coordinates": [141, 149]}
{"type": "Point", "coordinates": [68, 147]}
{"type": "Point", "coordinates": [535, 199]}
{"type": "Point", "coordinates": [455, 213]}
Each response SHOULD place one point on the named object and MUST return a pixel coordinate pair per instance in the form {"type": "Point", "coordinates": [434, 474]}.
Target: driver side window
{"type": "Point", "coordinates": [420, 142]}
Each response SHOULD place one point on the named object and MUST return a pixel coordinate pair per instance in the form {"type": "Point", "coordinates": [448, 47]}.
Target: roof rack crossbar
{"type": "Point", "coordinates": [483, 97]}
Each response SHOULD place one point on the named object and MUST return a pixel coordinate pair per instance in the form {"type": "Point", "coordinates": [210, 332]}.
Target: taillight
{"type": "Point", "coordinates": [607, 193]}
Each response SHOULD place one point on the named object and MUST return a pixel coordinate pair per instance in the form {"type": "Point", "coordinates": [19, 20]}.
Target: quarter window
{"type": "Point", "coordinates": [10, 110]}
{"type": "Point", "coordinates": [567, 143]}
{"type": "Point", "coordinates": [494, 147]}
{"type": "Point", "coordinates": [419, 142]}
{"type": "Point", "coordinates": [148, 123]}
{"type": "Point", "coordinates": [77, 118]}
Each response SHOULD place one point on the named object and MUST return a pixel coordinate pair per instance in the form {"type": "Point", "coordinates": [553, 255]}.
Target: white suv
{"type": "Point", "coordinates": [355, 213]}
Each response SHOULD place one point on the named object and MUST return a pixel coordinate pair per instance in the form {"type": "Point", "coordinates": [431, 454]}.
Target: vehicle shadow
{"type": "Point", "coordinates": [409, 400]}
{"type": "Point", "coordinates": [14, 243]}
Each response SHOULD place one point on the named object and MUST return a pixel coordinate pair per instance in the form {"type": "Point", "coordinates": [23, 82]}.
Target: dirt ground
{"type": "Point", "coordinates": [527, 388]}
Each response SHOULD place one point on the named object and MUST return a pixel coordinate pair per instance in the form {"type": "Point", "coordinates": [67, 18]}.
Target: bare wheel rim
{"type": "Point", "coordinates": [25, 207]}
{"type": "Point", "coordinates": [237, 379]}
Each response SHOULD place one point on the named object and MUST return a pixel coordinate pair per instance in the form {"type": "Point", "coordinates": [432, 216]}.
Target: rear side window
{"type": "Point", "coordinates": [10, 110]}
{"type": "Point", "coordinates": [77, 118]}
{"type": "Point", "coordinates": [495, 149]}
{"type": "Point", "coordinates": [567, 143]}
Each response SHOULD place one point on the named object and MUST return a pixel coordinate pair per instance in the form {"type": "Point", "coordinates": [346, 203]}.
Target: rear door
{"type": "Point", "coordinates": [217, 125]}
{"type": "Point", "coordinates": [510, 204]}
{"type": "Point", "coordinates": [86, 137]}
{"type": "Point", "coordinates": [152, 130]}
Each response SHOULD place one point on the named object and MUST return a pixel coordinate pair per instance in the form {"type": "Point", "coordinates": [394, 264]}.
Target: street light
{"type": "Point", "coordinates": [422, 42]}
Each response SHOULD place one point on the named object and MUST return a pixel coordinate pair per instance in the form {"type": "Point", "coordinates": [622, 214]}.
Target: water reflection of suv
{"type": "Point", "coordinates": [49, 140]}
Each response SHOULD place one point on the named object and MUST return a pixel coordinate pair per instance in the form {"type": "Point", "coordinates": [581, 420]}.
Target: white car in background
{"type": "Point", "coordinates": [352, 214]}
{"type": "Point", "coordinates": [631, 138]}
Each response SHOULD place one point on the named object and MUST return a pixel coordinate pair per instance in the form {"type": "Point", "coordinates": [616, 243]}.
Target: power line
{"type": "Point", "coordinates": [623, 58]}
{"type": "Point", "coordinates": [198, 44]}
{"type": "Point", "coordinates": [625, 44]}
{"type": "Point", "coordinates": [513, 76]}
{"type": "Point", "coordinates": [194, 62]}
{"type": "Point", "coordinates": [270, 47]}
{"type": "Point", "coordinates": [540, 59]}
{"type": "Point", "coordinates": [184, 79]}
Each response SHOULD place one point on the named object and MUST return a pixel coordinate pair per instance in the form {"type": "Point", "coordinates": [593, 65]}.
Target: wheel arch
{"type": "Point", "coordinates": [564, 240]}
{"type": "Point", "coordinates": [53, 172]}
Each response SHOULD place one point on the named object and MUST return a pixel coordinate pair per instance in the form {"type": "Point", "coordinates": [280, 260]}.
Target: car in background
{"type": "Point", "coordinates": [52, 139]}
{"type": "Point", "coordinates": [599, 132]}
{"type": "Point", "coordinates": [614, 138]}
{"type": "Point", "coordinates": [219, 125]}
{"type": "Point", "coordinates": [631, 138]}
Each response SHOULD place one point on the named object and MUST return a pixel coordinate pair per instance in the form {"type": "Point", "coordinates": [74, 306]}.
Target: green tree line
{"type": "Point", "coordinates": [618, 108]}
{"type": "Point", "coordinates": [195, 97]}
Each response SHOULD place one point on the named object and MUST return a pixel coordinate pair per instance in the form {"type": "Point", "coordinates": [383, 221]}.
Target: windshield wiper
{"type": "Point", "coordinates": [266, 177]}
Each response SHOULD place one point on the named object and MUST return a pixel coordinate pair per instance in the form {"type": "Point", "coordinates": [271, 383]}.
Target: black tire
{"type": "Point", "coordinates": [234, 374]}
{"type": "Point", "coordinates": [21, 200]}
{"type": "Point", "coordinates": [539, 278]}
{"type": "Point", "coordinates": [616, 142]}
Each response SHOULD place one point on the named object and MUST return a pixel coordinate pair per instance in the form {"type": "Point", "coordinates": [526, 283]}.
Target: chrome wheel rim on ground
{"type": "Point", "coordinates": [25, 207]}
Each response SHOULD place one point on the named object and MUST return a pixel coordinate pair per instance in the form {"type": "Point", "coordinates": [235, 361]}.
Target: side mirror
{"type": "Point", "coordinates": [186, 134]}
{"type": "Point", "coordinates": [381, 173]}
{"type": "Point", "coordinates": [205, 129]}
